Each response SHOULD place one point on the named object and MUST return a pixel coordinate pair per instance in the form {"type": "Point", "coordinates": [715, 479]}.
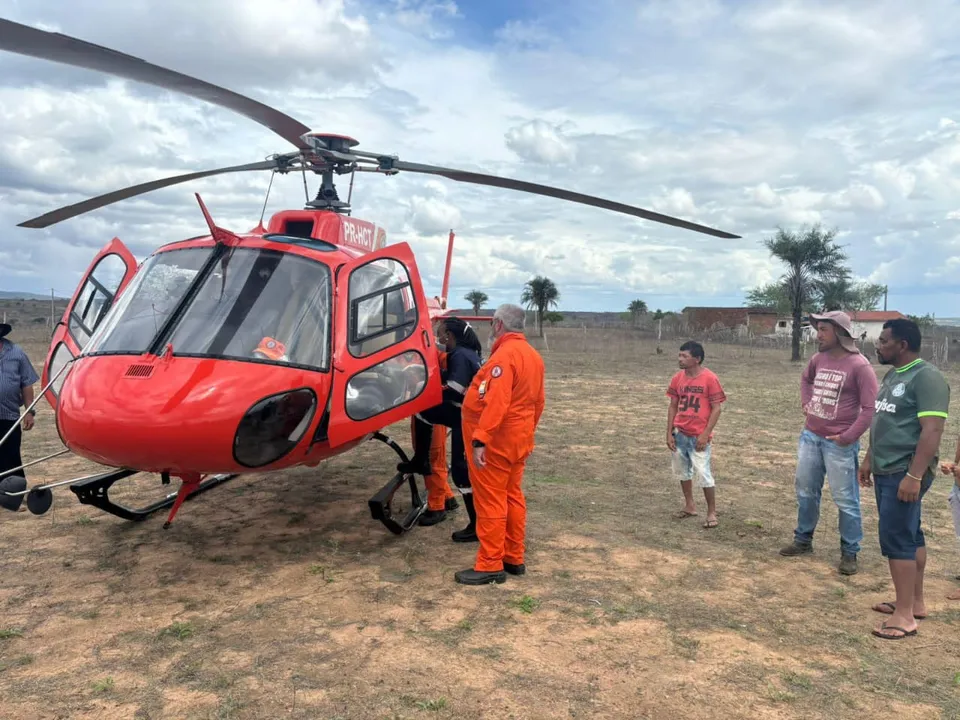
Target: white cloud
{"type": "Point", "coordinates": [539, 141]}
{"type": "Point", "coordinates": [429, 216]}
{"type": "Point", "coordinates": [742, 116]}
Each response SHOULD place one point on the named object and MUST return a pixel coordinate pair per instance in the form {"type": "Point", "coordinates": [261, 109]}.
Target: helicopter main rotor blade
{"type": "Point", "coordinates": [25, 40]}
{"type": "Point", "coordinates": [510, 184]}
{"type": "Point", "coordinates": [65, 213]}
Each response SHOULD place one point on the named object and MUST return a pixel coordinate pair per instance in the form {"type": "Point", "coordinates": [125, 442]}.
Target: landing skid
{"type": "Point", "coordinates": [96, 491]}
{"type": "Point", "coordinates": [380, 504]}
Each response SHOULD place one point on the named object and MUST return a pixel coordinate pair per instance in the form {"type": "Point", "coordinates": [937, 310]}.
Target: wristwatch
{"type": "Point", "coordinates": [32, 412]}
{"type": "Point", "coordinates": [477, 444]}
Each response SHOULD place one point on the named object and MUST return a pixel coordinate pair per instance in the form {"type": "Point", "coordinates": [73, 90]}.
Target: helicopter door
{"type": "Point", "coordinates": [385, 360]}
{"type": "Point", "coordinates": [107, 275]}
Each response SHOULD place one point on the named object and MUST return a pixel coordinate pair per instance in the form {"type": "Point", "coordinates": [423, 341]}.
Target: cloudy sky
{"type": "Point", "coordinates": [743, 115]}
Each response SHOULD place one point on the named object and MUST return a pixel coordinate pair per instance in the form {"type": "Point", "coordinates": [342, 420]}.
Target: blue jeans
{"type": "Point", "coordinates": [816, 458]}
{"type": "Point", "coordinates": [899, 522]}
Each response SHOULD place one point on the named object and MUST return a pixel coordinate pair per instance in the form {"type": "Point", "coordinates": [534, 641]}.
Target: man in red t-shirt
{"type": "Point", "coordinates": [695, 397]}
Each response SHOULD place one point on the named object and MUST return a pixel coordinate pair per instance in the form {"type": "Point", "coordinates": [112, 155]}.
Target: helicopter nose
{"type": "Point", "coordinates": [183, 415]}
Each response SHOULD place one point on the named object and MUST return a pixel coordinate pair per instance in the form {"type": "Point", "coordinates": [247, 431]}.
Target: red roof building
{"type": "Point", "coordinates": [872, 316]}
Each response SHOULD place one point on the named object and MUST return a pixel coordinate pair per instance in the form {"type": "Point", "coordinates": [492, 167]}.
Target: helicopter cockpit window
{"type": "Point", "coordinates": [150, 298]}
{"type": "Point", "coordinates": [260, 305]}
{"type": "Point", "coordinates": [382, 311]}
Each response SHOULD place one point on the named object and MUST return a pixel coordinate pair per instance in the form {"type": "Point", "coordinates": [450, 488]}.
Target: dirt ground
{"type": "Point", "coordinates": [278, 596]}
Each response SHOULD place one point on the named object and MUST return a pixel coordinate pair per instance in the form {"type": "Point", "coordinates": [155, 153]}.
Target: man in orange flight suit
{"type": "Point", "coordinates": [501, 411]}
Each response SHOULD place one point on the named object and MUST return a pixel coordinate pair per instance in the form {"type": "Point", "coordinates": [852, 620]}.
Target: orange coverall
{"type": "Point", "coordinates": [438, 489]}
{"type": "Point", "coordinates": [502, 409]}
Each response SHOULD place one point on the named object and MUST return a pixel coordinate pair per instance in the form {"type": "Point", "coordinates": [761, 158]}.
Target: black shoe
{"type": "Point", "coordinates": [415, 466]}
{"type": "Point", "coordinates": [451, 504]}
{"type": "Point", "coordinates": [432, 517]}
{"type": "Point", "coordinates": [419, 464]}
{"type": "Point", "coordinates": [520, 569]}
{"type": "Point", "coordinates": [12, 484]}
{"type": "Point", "coordinates": [848, 564]}
{"type": "Point", "coordinates": [473, 577]}
{"type": "Point", "coordinates": [796, 548]}
{"type": "Point", "coordinates": [468, 534]}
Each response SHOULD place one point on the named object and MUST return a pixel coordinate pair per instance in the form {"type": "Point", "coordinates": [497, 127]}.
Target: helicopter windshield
{"type": "Point", "coordinates": [259, 305]}
{"type": "Point", "coordinates": [142, 309]}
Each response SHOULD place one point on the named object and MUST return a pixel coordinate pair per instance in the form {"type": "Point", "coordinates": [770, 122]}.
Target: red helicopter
{"type": "Point", "coordinates": [232, 353]}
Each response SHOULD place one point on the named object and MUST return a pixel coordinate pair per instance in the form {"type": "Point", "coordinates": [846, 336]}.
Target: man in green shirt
{"type": "Point", "coordinates": [905, 433]}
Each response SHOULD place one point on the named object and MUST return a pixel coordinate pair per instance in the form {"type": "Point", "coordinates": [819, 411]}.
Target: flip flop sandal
{"type": "Point", "coordinates": [892, 610]}
{"type": "Point", "coordinates": [711, 524]}
{"type": "Point", "coordinates": [683, 514]}
{"type": "Point", "coordinates": [906, 633]}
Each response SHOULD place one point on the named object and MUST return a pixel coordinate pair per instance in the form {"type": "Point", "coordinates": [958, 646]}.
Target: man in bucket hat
{"type": "Point", "coordinates": [17, 377]}
{"type": "Point", "coordinates": [838, 389]}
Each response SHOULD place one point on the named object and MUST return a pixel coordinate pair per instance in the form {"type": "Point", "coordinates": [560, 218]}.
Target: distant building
{"type": "Point", "coordinates": [785, 327]}
{"type": "Point", "coordinates": [759, 320]}
{"type": "Point", "coordinates": [871, 322]}
{"type": "Point", "coordinates": [867, 324]}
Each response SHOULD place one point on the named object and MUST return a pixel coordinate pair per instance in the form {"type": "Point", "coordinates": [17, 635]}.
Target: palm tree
{"type": "Point", "coordinates": [812, 259]}
{"type": "Point", "coordinates": [637, 308]}
{"type": "Point", "coordinates": [476, 298]}
{"type": "Point", "coordinates": [540, 294]}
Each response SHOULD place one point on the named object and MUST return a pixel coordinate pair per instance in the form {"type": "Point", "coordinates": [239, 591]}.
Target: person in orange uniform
{"type": "Point", "coordinates": [440, 498]}
{"type": "Point", "coordinates": [501, 411]}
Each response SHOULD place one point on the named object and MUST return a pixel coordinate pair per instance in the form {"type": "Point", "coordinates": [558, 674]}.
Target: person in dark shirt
{"type": "Point", "coordinates": [463, 360]}
{"type": "Point", "coordinates": [17, 378]}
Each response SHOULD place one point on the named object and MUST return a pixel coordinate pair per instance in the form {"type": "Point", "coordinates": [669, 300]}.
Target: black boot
{"type": "Point", "coordinates": [419, 464]}
{"type": "Point", "coordinates": [432, 517]}
{"type": "Point", "coordinates": [475, 577]}
{"type": "Point", "coordinates": [469, 533]}
{"type": "Point", "coordinates": [450, 504]}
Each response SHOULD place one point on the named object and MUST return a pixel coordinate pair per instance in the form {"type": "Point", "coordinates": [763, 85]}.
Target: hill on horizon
{"type": "Point", "coordinates": [17, 295]}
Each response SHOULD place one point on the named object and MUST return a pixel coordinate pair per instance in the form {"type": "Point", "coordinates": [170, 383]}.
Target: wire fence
{"type": "Point", "coordinates": [940, 344]}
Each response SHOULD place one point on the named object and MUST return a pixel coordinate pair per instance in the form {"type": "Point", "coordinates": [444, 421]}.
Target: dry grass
{"type": "Point", "coordinates": [278, 596]}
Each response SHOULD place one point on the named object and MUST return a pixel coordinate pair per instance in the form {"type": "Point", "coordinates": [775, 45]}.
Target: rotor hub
{"type": "Point", "coordinates": [336, 143]}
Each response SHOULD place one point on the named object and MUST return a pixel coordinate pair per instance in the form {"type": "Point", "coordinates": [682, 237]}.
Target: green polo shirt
{"type": "Point", "coordinates": [906, 394]}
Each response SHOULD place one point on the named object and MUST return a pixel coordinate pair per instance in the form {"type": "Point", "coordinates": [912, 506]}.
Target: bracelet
{"type": "Point", "coordinates": [914, 477]}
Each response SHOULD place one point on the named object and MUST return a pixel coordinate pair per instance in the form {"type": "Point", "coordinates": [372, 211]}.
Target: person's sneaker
{"type": "Point", "coordinates": [796, 548]}
{"type": "Point", "coordinates": [848, 564]}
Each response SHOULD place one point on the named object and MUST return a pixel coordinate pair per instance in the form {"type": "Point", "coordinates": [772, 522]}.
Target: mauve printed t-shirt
{"type": "Point", "coordinates": [839, 395]}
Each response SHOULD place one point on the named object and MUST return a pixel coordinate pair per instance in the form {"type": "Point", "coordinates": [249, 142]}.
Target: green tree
{"type": "Point", "coordinates": [540, 294]}
{"type": "Point", "coordinates": [844, 294]}
{"type": "Point", "coordinates": [925, 322]}
{"type": "Point", "coordinates": [637, 309]}
{"type": "Point", "coordinates": [772, 296]}
{"type": "Point", "coordinates": [553, 318]}
{"type": "Point", "coordinates": [477, 299]}
{"type": "Point", "coordinates": [812, 258]}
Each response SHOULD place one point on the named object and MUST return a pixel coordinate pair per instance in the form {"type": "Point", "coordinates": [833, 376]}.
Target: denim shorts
{"type": "Point", "coordinates": [688, 461]}
{"type": "Point", "coordinates": [899, 522]}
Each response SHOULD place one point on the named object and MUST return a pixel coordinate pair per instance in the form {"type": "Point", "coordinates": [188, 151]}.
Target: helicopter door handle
{"type": "Point", "coordinates": [426, 339]}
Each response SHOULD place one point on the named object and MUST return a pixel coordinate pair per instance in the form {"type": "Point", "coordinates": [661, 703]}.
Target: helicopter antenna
{"type": "Point", "coordinates": [264, 210]}
{"type": "Point", "coordinates": [353, 174]}
{"type": "Point", "coordinates": [306, 191]}
{"type": "Point", "coordinates": [218, 233]}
